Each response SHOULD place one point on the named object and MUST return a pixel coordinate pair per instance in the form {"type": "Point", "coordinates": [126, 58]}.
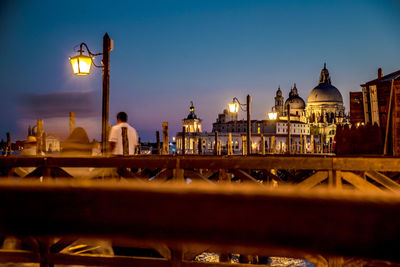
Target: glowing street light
{"type": "Point", "coordinates": [234, 108]}
{"type": "Point", "coordinates": [81, 65]}
{"type": "Point", "coordinates": [272, 115]}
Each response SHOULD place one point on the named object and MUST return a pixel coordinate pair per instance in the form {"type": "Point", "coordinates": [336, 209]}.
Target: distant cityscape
{"type": "Point", "coordinates": [313, 125]}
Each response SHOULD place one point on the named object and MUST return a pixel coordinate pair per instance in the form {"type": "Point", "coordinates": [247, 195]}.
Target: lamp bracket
{"type": "Point", "coordinates": [81, 50]}
{"type": "Point", "coordinates": [240, 105]}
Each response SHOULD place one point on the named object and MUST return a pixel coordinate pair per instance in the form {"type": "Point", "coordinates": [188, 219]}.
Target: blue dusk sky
{"type": "Point", "coordinates": [168, 53]}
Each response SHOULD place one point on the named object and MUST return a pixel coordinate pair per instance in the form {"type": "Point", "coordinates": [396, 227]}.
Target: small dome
{"type": "Point", "coordinates": [325, 91]}
{"type": "Point", "coordinates": [294, 100]}
{"type": "Point", "coordinates": [192, 115]}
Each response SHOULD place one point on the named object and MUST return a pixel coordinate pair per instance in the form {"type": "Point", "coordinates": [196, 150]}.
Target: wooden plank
{"type": "Point", "coordinates": [247, 216]}
{"type": "Point", "coordinates": [367, 164]}
{"type": "Point", "coordinates": [258, 162]}
{"type": "Point", "coordinates": [359, 182]}
{"type": "Point", "coordinates": [213, 264]}
{"type": "Point", "coordinates": [163, 175]}
{"type": "Point", "coordinates": [18, 256]}
{"type": "Point", "coordinates": [61, 244]}
{"type": "Point", "coordinates": [212, 162]}
{"type": "Point", "coordinates": [161, 248]}
{"type": "Point", "coordinates": [102, 260]}
{"type": "Point", "coordinates": [335, 179]}
{"type": "Point", "coordinates": [195, 175]}
{"type": "Point", "coordinates": [245, 177]}
{"type": "Point", "coordinates": [313, 180]}
{"type": "Point", "coordinates": [383, 180]}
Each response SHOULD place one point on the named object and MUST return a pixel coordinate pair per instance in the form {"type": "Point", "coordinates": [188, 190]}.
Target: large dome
{"type": "Point", "coordinates": [325, 91]}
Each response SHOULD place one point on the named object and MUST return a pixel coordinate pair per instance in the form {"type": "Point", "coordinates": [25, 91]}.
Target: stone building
{"type": "Point", "coordinates": [273, 132]}
{"type": "Point", "coordinates": [380, 99]}
{"type": "Point", "coordinates": [325, 102]}
{"type": "Point", "coordinates": [191, 123]}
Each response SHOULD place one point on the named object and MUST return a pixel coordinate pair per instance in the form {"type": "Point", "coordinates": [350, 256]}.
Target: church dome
{"type": "Point", "coordinates": [294, 100]}
{"type": "Point", "coordinates": [192, 115]}
{"type": "Point", "coordinates": [325, 91]}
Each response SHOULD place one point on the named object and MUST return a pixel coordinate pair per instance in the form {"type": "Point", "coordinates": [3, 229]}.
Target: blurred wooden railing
{"type": "Point", "coordinates": [327, 227]}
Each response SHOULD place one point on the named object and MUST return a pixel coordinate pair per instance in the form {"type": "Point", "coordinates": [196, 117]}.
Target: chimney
{"type": "Point", "coordinates": [380, 75]}
{"type": "Point", "coordinates": [71, 122]}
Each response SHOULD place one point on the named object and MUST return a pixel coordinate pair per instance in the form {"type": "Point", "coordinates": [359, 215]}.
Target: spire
{"type": "Point", "coordinates": [294, 90]}
{"type": "Point", "coordinates": [279, 92]}
{"type": "Point", "coordinates": [191, 106]}
{"type": "Point", "coordinates": [191, 115]}
{"type": "Point", "coordinates": [324, 77]}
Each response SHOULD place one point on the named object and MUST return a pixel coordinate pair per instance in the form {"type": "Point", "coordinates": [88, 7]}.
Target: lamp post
{"type": "Point", "coordinates": [81, 66]}
{"type": "Point", "coordinates": [234, 108]}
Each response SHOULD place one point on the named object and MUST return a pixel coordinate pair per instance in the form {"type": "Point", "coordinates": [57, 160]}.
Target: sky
{"type": "Point", "coordinates": [168, 53]}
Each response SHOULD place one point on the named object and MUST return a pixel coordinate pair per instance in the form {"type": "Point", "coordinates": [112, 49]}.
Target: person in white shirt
{"type": "Point", "coordinates": [118, 132]}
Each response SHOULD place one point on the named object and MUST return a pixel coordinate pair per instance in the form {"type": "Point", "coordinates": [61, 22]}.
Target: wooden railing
{"type": "Point", "coordinates": [365, 173]}
{"type": "Point", "coordinates": [327, 227]}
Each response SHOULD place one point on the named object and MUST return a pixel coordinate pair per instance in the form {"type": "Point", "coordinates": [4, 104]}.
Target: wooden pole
{"type": "Point", "coordinates": [158, 142]}
{"type": "Point", "coordinates": [312, 143]}
{"type": "Point", "coordinates": [229, 145]}
{"type": "Point", "coordinates": [196, 145]}
{"type": "Point", "coordinates": [301, 144]}
{"type": "Point", "coordinates": [165, 147]}
{"type": "Point", "coordinates": [39, 134]}
{"type": "Point", "coordinates": [183, 140]}
{"type": "Point", "coordinates": [321, 140]}
{"type": "Point", "coordinates": [273, 144]}
{"type": "Point", "coordinates": [200, 146]}
{"type": "Point", "coordinates": [248, 124]}
{"type": "Point", "coordinates": [216, 143]}
{"type": "Point", "coordinates": [8, 147]}
{"type": "Point", "coordinates": [106, 93]}
{"type": "Point", "coordinates": [289, 137]}
{"type": "Point", "coordinates": [244, 145]}
{"type": "Point", "coordinates": [262, 145]}
{"type": "Point", "coordinates": [71, 122]}
{"type": "Point", "coordinates": [44, 142]}
{"type": "Point", "coordinates": [389, 115]}
{"type": "Point", "coordinates": [140, 146]}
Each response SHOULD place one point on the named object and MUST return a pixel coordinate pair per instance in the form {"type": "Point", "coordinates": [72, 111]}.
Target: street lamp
{"type": "Point", "coordinates": [234, 108]}
{"type": "Point", "coordinates": [273, 115]}
{"type": "Point", "coordinates": [81, 66]}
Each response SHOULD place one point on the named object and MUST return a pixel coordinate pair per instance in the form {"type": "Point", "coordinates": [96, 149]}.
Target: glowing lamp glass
{"type": "Point", "coordinates": [272, 115]}
{"type": "Point", "coordinates": [81, 64]}
{"type": "Point", "coordinates": [233, 107]}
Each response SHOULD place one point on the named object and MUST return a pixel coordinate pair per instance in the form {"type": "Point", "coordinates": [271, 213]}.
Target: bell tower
{"type": "Point", "coordinates": [279, 102]}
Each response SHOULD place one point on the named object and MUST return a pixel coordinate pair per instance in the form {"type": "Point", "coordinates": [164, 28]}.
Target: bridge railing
{"type": "Point", "coordinates": [364, 173]}
{"type": "Point", "coordinates": [180, 220]}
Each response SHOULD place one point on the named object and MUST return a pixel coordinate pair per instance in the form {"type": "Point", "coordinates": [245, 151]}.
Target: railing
{"type": "Point", "coordinates": [181, 220]}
